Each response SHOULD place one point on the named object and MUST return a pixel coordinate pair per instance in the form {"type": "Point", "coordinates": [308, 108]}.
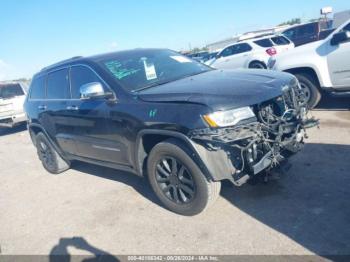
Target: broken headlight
{"type": "Point", "coordinates": [229, 117]}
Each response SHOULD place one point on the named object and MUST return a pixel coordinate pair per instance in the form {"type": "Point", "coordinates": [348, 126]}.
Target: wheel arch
{"type": "Point", "coordinates": [34, 129]}
{"type": "Point", "coordinates": [147, 139]}
{"type": "Point", "coordinates": [305, 70]}
{"type": "Point", "coordinates": [257, 61]}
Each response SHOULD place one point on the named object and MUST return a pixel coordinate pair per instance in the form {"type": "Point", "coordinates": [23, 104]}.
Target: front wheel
{"type": "Point", "coordinates": [177, 180]}
{"type": "Point", "coordinates": [310, 89]}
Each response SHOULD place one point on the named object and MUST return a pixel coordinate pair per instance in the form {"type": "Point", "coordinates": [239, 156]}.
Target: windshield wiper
{"type": "Point", "coordinates": [152, 85]}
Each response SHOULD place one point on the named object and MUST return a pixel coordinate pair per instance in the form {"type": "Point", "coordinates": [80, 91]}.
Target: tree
{"type": "Point", "coordinates": [291, 22]}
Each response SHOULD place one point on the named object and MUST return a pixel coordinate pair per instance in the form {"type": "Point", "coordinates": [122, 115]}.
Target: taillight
{"type": "Point", "coordinates": [271, 51]}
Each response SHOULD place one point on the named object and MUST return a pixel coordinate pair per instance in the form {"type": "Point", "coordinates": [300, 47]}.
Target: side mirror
{"type": "Point", "coordinates": [340, 37]}
{"type": "Point", "coordinates": [92, 90]}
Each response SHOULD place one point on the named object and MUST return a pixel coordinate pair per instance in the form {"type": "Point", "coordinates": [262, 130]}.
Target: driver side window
{"type": "Point", "coordinates": [227, 51]}
{"type": "Point", "coordinates": [81, 75]}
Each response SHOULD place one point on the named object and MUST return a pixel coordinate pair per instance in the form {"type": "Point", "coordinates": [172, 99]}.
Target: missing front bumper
{"type": "Point", "coordinates": [240, 153]}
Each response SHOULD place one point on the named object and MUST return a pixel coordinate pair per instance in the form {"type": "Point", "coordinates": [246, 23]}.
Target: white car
{"type": "Point", "coordinates": [252, 53]}
{"type": "Point", "coordinates": [322, 65]}
{"type": "Point", "coordinates": [12, 97]}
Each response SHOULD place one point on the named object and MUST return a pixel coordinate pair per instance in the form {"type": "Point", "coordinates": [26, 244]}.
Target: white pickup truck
{"type": "Point", "coordinates": [12, 97]}
{"type": "Point", "coordinates": [322, 65]}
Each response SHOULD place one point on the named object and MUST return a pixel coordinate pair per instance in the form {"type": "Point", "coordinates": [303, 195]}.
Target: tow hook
{"type": "Point", "coordinates": [277, 172]}
{"type": "Point", "coordinates": [272, 174]}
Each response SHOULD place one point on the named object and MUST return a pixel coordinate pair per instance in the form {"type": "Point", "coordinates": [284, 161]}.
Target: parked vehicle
{"type": "Point", "coordinates": [308, 32]}
{"type": "Point", "coordinates": [12, 96]}
{"type": "Point", "coordinates": [322, 65]}
{"type": "Point", "coordinates": [200, 56]}
{"type": "Point", "coordinates": [212, 56]}
{"type": "Point", "coordinates": [156, 113]}
{"type": "Point", "coordinates": [340, 18]}
{"type": "Point", "coordinates": [252, 53]}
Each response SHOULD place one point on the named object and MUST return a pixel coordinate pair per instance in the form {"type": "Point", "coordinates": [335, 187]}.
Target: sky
{"type": "Point", "coordinates": [37, 33]}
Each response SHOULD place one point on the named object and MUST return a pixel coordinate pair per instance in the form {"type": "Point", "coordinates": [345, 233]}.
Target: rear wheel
{"type": "Point", "coordinates": [49, 157]}
{"type": "Point", "coordinates": [310, 89]}
{"type": "Point", "coordinates": [177, 180]}
{"type": "Point", "coordinates": [257, 65]}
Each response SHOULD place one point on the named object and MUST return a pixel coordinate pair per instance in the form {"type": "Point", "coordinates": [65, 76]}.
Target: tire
{"type": "Point", "coordinates": [257, 65]}
{"type": "Point", "coordinates": [48, 156]}
{"type": "Point", "coordinates": [189, 176]}
{"type": "Point", "coordinates": [311, 89]}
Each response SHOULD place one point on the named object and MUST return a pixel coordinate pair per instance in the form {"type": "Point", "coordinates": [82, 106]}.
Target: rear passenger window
{"type": "Point", "coordinates": [81, 75]}
{"type": "Point", "coordinates": [37, 88]}
{"type": "Point", "coordinates": [264, 42]}
{"type": "Point", "coordinates": [306, 30]}
{"type": "Point", "coordinates": [58, 85]}
{"type": "Point", "coordinates": [291, 33]}
{"type": "Point", "coordinates": [242, 48]}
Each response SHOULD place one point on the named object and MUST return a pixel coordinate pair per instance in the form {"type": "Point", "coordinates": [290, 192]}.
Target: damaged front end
{"type": "Point", "coordinates": [253, 147]}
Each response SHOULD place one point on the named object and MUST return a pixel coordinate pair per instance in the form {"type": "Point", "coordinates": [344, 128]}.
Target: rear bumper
{"type": "Point", "coordinates": [13, 120]}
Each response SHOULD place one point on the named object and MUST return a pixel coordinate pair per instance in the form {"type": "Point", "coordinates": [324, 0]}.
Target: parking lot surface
{"type": "Point", "coordinates": [89, 207]}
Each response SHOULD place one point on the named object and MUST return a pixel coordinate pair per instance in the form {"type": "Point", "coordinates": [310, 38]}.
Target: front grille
{"type": "Point", "coordinates": [227, 134]}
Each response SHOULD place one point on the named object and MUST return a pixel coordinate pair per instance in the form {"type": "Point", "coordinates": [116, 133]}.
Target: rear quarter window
{"type": "Point", "coordinates": [291, 33]}
{"type": "Point", "coordinates": [264, 42]}
{"type": "Point", "coordinates": [280, 40]}
{"type": "Point", "coordinates": [37, 88]}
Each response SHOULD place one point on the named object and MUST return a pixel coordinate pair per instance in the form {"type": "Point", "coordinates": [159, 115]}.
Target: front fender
{"type": "Point", "coordinates": [215, 165]}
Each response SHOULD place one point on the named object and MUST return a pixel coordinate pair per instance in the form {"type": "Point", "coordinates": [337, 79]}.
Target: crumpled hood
{"type": "Point", "coordinates": [221, 89]}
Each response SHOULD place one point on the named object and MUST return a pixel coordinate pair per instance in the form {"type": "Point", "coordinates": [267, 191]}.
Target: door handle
{"type": "Point", "coordinates": [42, 107]}
{"type": "Point", "coordinates": [74, 108]}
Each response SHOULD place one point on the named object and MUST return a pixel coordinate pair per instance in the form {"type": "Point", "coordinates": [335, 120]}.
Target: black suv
{"type": "Point", "coordinates": [156, 113]}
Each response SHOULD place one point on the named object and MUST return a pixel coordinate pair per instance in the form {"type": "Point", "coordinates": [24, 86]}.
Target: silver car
{"type": "Point", "coordinates": [12, 97]}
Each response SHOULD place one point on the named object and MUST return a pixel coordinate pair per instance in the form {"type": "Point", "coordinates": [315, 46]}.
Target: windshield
{"type": "Point", "coordinates": [140, 69]}
{"type": "Point", "coordinates": [10, 90]}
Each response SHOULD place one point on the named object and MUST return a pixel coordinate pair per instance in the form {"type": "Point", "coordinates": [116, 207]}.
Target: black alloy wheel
{"type": "Point", "coordinates": [49, 157]}
{"type": "Point", "coordinates": [46, 155]}
{"type": "Point", "coordinates": [175, 181]}
{"type": "Point", "coordinates": [178, 181]}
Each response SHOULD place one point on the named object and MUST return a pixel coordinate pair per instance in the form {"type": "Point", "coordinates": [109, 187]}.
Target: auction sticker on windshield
{"type": "Point", "coordinates": [150, 70]}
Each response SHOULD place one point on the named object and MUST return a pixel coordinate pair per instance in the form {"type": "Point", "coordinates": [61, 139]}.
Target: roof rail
{"type": "Point", "coordinates": [61, 62]}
